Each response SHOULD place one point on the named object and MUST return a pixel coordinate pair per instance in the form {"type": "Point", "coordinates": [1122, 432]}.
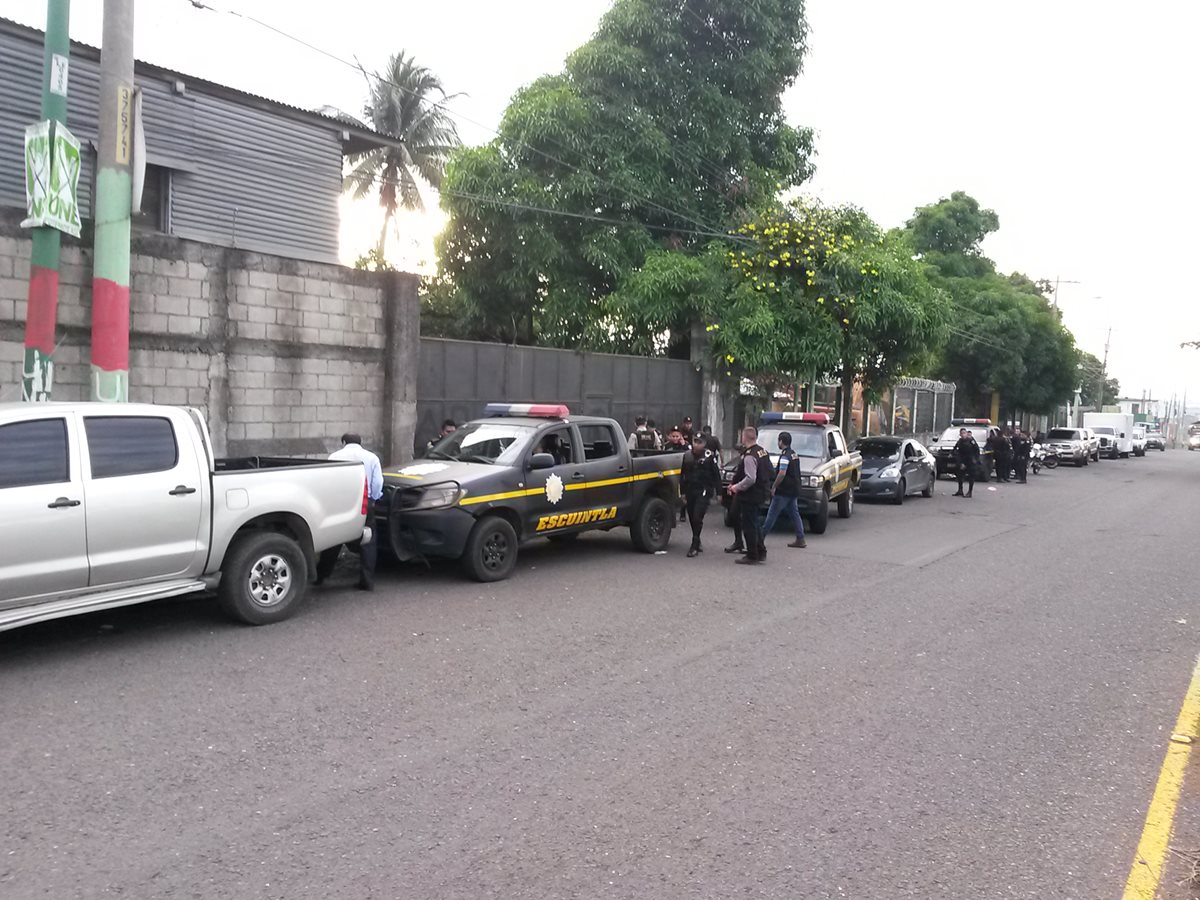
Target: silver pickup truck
{"type": "Point", "coordinates": [104, 506]}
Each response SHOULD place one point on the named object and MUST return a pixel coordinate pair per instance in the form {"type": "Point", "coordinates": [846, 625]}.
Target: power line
{"type": "Point", "coordinates": [496, 201]}
{"type": "Point", "coordinates": [199, 4]}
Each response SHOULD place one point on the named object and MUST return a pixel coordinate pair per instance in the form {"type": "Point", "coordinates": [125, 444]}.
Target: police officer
{"type": "Point", "coordinates": [752, 491]}
{"type": "Point", "coordinates": [700, 480]}
{"type": "Point", "coordinates": [1022, 448]}
{"type": "Point", "coordinates": [966, 453]}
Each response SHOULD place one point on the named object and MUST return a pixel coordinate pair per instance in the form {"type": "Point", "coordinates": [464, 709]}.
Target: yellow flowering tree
{"type": "Point", "coordinates": [824, 290]}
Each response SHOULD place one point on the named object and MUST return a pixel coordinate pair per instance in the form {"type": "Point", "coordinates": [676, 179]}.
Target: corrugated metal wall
{"type": "Point", "coordinates": [240, 175]}
{"type": "Point", "coordinates": [457, 378]}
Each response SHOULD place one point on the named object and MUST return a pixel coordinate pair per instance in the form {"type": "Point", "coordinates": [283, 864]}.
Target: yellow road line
{"type": "Point", "coordinates": [1146, 873]}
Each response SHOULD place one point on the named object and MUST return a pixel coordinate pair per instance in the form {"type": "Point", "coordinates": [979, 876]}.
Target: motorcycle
{"type": "Point", "coordinates": [1039, 456]}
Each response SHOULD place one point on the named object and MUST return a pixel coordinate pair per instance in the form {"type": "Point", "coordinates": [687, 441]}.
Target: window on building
{"type": "Point", "coordinates": [34, 453]}
{"type": "Point", "coordinates": [130, 445]}
{"type": "Point", "coordinates": [155, 214]}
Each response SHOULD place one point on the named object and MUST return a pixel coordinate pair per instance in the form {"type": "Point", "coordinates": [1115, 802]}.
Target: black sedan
{"type": "Point", "coordinates": [894, 467]}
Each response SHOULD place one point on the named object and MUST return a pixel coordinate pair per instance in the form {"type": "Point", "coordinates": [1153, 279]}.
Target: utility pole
{"type": "Point", "coordinates": [1103, 375]}
{"type": "Point", "coordinates": [114, 199]}
{"type": "Point", "coordinates": [41, 311]}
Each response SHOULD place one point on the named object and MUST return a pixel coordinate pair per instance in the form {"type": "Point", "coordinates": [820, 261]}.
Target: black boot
{"type": "Point", "coordinates": [735, 548]}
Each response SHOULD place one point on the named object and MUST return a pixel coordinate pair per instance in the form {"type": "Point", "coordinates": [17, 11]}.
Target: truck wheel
{"type": "Point", "coordinates": [820, 522]}
{"type": "Point", "coordinates": [845, 503]}
{"type": "Point", "coordinates": [651, 529]}
{"type": "Point", "coordinates": [491, 552]}
{"type": "Point", "coordinates": [264, 578]}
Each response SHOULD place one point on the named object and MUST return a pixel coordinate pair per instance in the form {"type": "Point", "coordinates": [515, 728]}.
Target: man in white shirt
{"type": "Point", "coordinates": [352, 449]}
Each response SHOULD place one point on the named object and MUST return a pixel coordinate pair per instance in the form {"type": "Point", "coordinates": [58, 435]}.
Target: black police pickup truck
{"type": "Point", "coordinates": [526, 471]}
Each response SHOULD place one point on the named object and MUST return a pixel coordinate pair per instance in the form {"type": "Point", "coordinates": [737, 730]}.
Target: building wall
{"type": "Point", "coordinates": [241, 174]}
{"type": "Point", "coordinates": [282, 355]}
{"type": "Point", "coordinates": [458, 378]}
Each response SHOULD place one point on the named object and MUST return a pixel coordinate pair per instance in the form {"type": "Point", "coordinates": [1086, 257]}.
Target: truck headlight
{"type": "Point", "coordinates": [810, 480]}
{"type": "Point", "coordinates": [439, 496]}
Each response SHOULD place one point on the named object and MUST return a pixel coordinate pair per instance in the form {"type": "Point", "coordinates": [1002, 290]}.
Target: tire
{"type": "Point", "coordinates": [1050, 462]}
{"type": "Point", "coordinates": [898, 499]}
{"type": "Point", "coordinates": [264, 578]}
{"type": "Point", "coordinates": [845, 503]}
{"type": "Point", "coordinates": [491, 552]}
{"type": "Point", "coordinates": [928, 492]}
{"type": "Point", "coordinates": [820, 522]}
{"type": "Point", "coordinates": [651, 528]}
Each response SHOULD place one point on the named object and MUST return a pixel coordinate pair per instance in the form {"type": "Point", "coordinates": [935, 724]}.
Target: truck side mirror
{"type": "Point", "coordinates": [541, 461]}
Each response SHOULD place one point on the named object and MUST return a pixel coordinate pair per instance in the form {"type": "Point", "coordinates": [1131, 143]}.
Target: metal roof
{"type": "Point", "coordinates": [355, 136]}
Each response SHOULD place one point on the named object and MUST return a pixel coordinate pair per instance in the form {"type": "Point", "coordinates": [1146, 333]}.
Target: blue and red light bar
{"type": "Point", "coordinates": [811, 418]}
{"type": "Point", "coordinates": [535, 410]}
{"type": "Point", "coordinates": [970, 421]}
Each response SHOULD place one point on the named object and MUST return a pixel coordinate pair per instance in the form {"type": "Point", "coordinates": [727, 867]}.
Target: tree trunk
{"type": "Point", "coordinates": [387, 218]}
{"type": "Point", "coordinates": [847, 410]}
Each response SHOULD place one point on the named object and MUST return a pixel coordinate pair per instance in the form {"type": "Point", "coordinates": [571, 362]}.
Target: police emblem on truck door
{"type": "Point", "coordinates": [554, 488]}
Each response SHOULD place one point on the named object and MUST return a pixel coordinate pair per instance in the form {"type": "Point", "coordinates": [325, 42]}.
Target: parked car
{"type": "Point", "coordinates": [526, 471]}
{"type": "Point", "coordinates": [829, 470]}
{"type": "Point", "coordinates": [107, 506]}
{"type": "Point", "coordinates": [1093, 443]}
{"type": "Point", "coordinates": [895, 467]}
{"type": "Point", "coordinates": [943, 448]}
{"type": "Point", "coordinates": [1070, 444]}
{"type": "Point", "coordinates": [1193, 436]}
{"type": "Point", "coordinates": [1155, 440]}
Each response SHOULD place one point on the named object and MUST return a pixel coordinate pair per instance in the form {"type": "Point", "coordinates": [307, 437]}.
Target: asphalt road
{"type": "Point", "coordinates": [954, 698]}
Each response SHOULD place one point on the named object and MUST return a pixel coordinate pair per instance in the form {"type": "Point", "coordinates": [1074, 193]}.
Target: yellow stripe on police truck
{"type": "Point", "coordinates": [569, 520]}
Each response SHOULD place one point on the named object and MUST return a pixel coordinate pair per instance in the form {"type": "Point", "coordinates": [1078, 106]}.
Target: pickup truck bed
{"type": "Point", "coordinates": [499, 482]}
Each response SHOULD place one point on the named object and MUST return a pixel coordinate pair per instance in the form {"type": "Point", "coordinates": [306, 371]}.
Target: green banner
{"type": "Point", "coordinates": [52, 164]}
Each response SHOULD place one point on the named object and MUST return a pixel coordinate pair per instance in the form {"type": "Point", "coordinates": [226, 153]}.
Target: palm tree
{"type": "Point", "coordinates": [406, 104]}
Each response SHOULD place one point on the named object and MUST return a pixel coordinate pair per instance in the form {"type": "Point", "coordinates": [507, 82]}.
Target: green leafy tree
{"type": "Point", "coordinates": [1003, 335]}
{"type": "Point", "coordinates": [827, 292]}
{"type": "Point", "coordinates": [659, 132]}
{"type": "Point", "coordinates": [405, 105]}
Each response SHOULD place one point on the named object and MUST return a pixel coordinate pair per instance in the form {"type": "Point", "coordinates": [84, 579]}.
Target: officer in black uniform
{"type": "Point", "coordinates": [701, 481]}
{"type": "Point", "coordinates": [966, 452]}
{"type": "Point", "coordinates": [752, 491]}
{"type": "Point", "coordinates": [1022, 448]}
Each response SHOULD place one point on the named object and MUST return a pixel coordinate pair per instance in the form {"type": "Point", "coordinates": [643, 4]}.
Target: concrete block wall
{"type": "Point", "coordinates": [282, 355]}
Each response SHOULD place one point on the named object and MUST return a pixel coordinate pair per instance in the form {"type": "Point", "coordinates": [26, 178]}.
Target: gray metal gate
{"type": "Point", "coordinates": [457, 378]}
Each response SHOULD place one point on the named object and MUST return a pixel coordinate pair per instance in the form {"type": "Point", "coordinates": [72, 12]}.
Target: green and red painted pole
{"type": "Point", "coordinates": [114, 197]}
{"type": "Point", "coordinates": [41, 311]}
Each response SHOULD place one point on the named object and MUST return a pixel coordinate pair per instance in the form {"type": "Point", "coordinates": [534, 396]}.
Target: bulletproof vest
{"type": "Point", "coordinates": [645, 439]}
{"type": "Point", "coordinates": [764, 474]}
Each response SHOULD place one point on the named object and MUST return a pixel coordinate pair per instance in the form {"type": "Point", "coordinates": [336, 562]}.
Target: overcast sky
{"type": "Point", "coordinates": [1074, 120]}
